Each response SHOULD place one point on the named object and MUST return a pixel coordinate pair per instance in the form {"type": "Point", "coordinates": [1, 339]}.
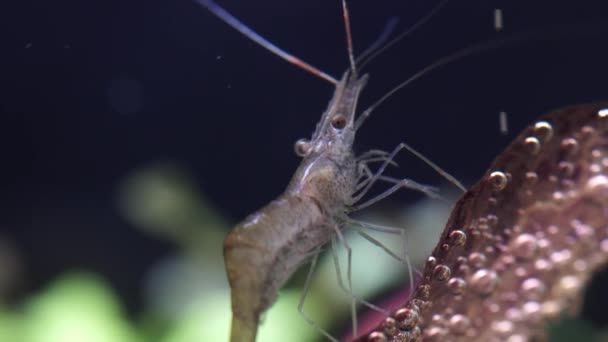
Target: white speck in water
{"type": "Point", "coordinates": [504, 125]}
{"type": "Point", "coordinates": [498, 21]}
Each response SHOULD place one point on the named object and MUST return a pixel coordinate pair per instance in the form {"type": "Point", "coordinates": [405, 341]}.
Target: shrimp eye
{"type": "Point", "coordinates": [338, 121]}
{"type": "Point", "coordinates": [302, 147]}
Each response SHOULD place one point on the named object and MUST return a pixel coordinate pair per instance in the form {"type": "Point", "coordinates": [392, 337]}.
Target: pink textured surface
{"type": "Point", "coordinates": [522, 243]}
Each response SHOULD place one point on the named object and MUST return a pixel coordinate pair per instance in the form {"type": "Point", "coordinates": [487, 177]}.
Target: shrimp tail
{"type": "Point", "coordinates": [245, 314]}
{"type": "Point", "coordinates": [243, 330]}
{"type": "Point", "coordinates": [243, 263]}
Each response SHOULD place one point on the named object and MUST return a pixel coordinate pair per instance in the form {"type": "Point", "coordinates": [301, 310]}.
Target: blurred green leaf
{"type": "Point", "coordinates": [77, 307]}
{"type": "Point", "coordinates": [206, 319]}
{"type": "Point", "coordinates": [10, 326]}
{"type": "Point", "coordinates": [162, 199]}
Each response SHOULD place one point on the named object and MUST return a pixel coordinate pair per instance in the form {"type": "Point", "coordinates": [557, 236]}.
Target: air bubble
{"type": "Point", "coordinates": [302, 147]}
{"type": "Point", "coordinates": [595, 168]}
{"type": "Point", "coordinates": [532, 144]}
{"type": "Point", "coordinates": [484, 281]}
{"type": "Point", "coordinates": [431, 261]}
{"type": "Point", "coordinates": [493, 307]}
{"type": "Point", "coordinates": [551, 308]}
{"type": "Point", "coordinates": [377, 336]}
{"type": "Point", "coordinates": [442, 273]}
{"type": "Point", "coordinates": [544, 243]}
{"type": "Point", "coordinates": [407, 318]}
{"type": "Point", "coordinates": [543, 265]}
{"type": "Point", "coordinates": [558, 196]}
{"type": "Point", "coordinates": [596, 153]}
{"type": "Point", "coordinates": [389, 325]}
{"type": "Point", "coordinates": [458, 238]}
{"type": "Point", "coordinates": [434, 333]}
{"type": "Point", "coordinates": [597, 182]}
{"type": "Point", "coordinates": [570, 145]}
{"type": "Point", "coordinates": [569, 284]}
{"type": "Point", "coordinates": [533, 288]}
{"type": "Point", "coordinates": [459, 324]}
{"type": "Point", "coordinates": [513, 314]}
{"type": "Point", "coordinates": [561, 257]}
{"type": "Point", "coordinates": [477, 259]}
{"type": "Point", "coordinates": [531, 177]}
{"type": "Point", "coordinates": [457, 286]}
{"type": "Point", "coordinates": [553, 229]}
{"type": "Point", "coordinates": [461, 260]}
{"type": "Point", "coordinates": [498, 179]}
{"type": "Point", "coordinates": [517, 338]}
{"type": "Point", "coordinates": [506, 260]}
{"type": "Point", "coordinates": [543, 130]}
{"type": "Point", "coordinates": [503, 327]}
{"type": "Point", "coordinates": [532, 310]}
{"type": "Point", "coordinates": [521, 272]}
{"type": "Point", "coordinates": [524, 246]}
{"type": "Point", "coordinates": [583, 231]}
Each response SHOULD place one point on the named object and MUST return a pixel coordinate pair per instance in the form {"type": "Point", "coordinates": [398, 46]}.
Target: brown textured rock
{"type": "Point", "coordinates": [522, 243]}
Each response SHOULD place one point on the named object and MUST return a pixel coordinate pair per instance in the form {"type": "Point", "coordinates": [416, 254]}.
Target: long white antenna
{"type": "Point", "coordinates": [369, 55]}
{"type": "Point", "coordinates": [249, 33]}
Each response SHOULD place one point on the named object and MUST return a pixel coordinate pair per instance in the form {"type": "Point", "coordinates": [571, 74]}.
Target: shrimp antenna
{"type": "Point", "coordinates": [349, 39]}
{"type": "Point", "coordinates": [389, 28]}
{"type": "Point", "coordinates": [455, 56]}
{"type": "Point", "coordinates": [369, 54]}
{"type": "Point", "coordinates": [263, 42]}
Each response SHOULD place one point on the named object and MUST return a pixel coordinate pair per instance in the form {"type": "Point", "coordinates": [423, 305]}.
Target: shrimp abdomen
{"type": "Point", "coordinates": [263, 251]}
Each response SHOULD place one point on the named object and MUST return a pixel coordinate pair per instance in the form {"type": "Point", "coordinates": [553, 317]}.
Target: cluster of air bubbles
{"type": "Point", "coordinates": [525, 269]}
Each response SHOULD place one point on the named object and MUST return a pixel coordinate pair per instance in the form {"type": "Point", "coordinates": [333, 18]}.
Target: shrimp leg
{"type": "Point", "coordinates": [343, 287]}
{"type": "Point", "coordinates": [309, 320]}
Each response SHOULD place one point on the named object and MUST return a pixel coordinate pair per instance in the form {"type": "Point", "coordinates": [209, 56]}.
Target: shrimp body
{"type": "Point", "coordinates": [264, 250]}
{"type": "Point", "coordinates": [262, 253]}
